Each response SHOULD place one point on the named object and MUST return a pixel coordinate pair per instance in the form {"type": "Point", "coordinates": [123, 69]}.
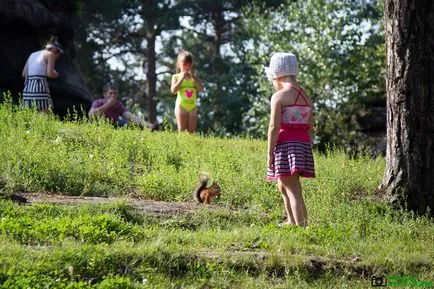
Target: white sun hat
{"type": "Point", "coordinates": [281, 64]}
{"type": "Point", "coordinates": [56, 45]}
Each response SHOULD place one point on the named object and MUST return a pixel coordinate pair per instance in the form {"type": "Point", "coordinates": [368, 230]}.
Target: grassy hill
{"type": "Point", "coordinates": [235, 243]}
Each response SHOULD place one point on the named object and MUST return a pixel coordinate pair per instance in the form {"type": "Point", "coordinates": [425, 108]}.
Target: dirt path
{"type": "Point", "coordinates": [315, 265]}
{"type": "Point", "coordinates": [144, 206]}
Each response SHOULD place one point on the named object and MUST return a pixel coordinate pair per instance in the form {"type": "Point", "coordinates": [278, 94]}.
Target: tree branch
{"type": "Point", "coordinates": [163, 72]}
{"type": "Point", "coordinates": [195, 31]}
{"type": "Point", "coordinates": [105, 59]}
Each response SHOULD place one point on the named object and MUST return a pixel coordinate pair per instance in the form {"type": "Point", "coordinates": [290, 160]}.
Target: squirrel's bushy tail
{"type": "Point", "coordinates": [203, 181]}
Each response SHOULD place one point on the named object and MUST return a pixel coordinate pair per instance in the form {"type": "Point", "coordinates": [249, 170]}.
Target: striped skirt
{"type": "Point", "coordinates": [37, 93]}
{"type": "Point", "coordinates": [292, 157]}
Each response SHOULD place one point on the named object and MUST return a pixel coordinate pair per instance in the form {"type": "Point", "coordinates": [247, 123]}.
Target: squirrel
{"type": "Point", "coordinates": [204, 195]}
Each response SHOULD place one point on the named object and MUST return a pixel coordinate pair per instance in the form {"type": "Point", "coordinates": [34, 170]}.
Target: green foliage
{"type": "Point", "coordinates": [46, 225]}
{"type": "Point", "coordinates": [215, 36]}
{"type": "Point", "coordinates": [100, 38]}
{"type": "Point", "coordinates": [340, 48]}
{"type": "Point", "coordinates": [222, 248]}
{"type": "Point", "coordinates": [235, 243]}
{"type": "Point", "coordinates": [113, 45]}
{"type": "Point", "coordinates": [44, 154]}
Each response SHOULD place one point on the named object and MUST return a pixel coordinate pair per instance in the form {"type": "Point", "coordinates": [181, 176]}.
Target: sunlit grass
{"type": "Point", "coordinates": [236, 245]}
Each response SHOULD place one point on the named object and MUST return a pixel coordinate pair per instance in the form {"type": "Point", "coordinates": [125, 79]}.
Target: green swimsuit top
{"type": "Point", "coordinates": [187, 94]}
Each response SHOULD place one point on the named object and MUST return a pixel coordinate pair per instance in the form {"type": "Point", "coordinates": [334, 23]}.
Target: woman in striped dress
{"type": "Point", "coordinates": [39, 66]}
{"type": "Point", "coordinates": [289, 136]}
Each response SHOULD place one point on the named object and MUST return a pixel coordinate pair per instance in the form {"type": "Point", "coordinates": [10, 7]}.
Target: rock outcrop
{"type": "Point", "coordinates": [25, 25]}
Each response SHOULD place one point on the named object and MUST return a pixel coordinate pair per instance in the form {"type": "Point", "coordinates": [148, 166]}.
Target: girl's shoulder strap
{"type": "Point", "coordinates": [300, 93]}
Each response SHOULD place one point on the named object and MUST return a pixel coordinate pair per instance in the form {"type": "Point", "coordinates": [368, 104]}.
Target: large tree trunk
{"type": "Point", "coordinates": [409, 175]}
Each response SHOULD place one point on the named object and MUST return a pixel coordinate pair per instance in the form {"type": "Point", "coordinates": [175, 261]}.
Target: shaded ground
{"type": "Point", "coordinates": [315, 266]}
{"type": "Point", "coordinates": [144, 206]}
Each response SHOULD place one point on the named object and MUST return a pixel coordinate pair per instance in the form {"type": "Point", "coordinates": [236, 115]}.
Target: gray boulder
{"type": "Point", "coordinates": [25, 25]}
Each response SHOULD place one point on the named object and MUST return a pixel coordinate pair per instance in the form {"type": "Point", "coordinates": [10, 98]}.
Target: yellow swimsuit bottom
{"type": "Point", "coordinates": [187, 94]}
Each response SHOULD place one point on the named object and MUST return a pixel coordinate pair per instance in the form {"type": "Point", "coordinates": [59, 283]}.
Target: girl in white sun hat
{"type": "Point", "coordinates": [289, 136]}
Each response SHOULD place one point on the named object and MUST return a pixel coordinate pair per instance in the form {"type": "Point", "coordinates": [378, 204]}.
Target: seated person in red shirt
{"type": "Point", "coordinates": [111, 108]}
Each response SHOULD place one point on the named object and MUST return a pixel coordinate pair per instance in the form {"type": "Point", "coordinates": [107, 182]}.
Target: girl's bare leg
{"type": "Point", "coordinates": [292, 187]}
{"type": "Point", "coordinates": [192, 120]}
{"type": "Point", "coordinates": [287, 204]}
{"type": "Point", "coordinates": [181, 118]}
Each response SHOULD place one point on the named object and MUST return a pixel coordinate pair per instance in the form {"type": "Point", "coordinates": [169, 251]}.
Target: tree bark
{"type": "Point", "coordinates": [151, 79]}
{"type": "Point", "coordinates": [151, 76]}
{"type": "Point", "coordinates": [218, 21]}
{"type": "Point", "coordinates": [409, 174]}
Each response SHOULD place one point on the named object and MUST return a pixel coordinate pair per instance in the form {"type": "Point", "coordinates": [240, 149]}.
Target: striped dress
{"type": "Point", "coordinates": [36, 90]}
{"type": "Point", "coordinates": [293, 151]}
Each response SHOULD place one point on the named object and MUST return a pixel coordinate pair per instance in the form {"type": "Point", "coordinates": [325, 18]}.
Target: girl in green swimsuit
{"type": "Point", "coordinates": [185, 85]}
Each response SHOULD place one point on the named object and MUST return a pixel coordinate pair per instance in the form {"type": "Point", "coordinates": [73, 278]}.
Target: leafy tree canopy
{"type": "Point", "coordinates": [339, 44]}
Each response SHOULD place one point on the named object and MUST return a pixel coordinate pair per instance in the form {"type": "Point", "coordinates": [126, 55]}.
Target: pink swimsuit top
{"type": "Point", "coordinates": [294, 125]}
